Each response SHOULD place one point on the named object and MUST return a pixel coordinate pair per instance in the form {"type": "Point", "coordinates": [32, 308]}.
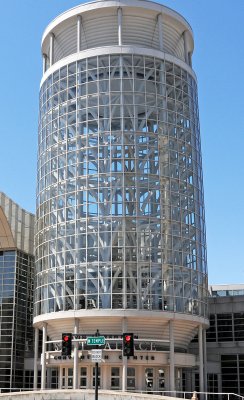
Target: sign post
{"type": "Point", "coordinates": [96, 355]}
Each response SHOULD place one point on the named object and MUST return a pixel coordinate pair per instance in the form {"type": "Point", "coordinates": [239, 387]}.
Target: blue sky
{"type": "Point", "coordinates": [218, 61]}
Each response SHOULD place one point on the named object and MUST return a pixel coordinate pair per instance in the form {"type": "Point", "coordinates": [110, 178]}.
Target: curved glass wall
{"type": "Point", "coordinates": [120, 211]}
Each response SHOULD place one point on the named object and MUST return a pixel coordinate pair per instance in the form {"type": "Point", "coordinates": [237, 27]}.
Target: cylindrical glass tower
{"type": "Point", "coordinates": [120, 240]}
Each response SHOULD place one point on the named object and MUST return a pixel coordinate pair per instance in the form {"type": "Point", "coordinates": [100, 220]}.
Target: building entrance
{"type": "Point", "coordinates": [86, 377]}
{"type": "Point", "coordinates": [67, 378]}
{"type": "Point", "coordinates": [154, 379]}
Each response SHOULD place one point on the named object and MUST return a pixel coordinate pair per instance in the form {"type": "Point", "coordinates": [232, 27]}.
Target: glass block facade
{"type": "Point", "coordinates": [120, 211]}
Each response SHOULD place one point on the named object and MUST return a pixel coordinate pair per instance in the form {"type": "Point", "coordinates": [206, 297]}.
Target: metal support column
{"type": "Point", "coordinates": [76, 360]}
{"type": "Point", "coordinates": [43, 356]}
{"type": "Point", "coordinates": [120, 26]}
{"type": "Point", "coordinates": [200, 344]}
{"type": "Point", "coordinates": [78, 33]}
{"type": "Point", "coordinates": [36, 358]}
{"type": "Point", "coordinates": [171, 357]}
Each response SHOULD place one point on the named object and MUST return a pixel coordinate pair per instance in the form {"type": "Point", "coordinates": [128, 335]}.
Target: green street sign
{"type": "Point", "coordinates": [95, 340]}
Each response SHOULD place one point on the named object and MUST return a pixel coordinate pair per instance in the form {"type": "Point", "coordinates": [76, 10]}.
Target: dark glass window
{"type": "Point", "coordinates": [211, 331]}
{"type": "Point", "coordinates": [239, 326]}
{"type": "Point", "coordinates": [241, 374]}
{"type": "Point", "coordinates": [224, 322]}
{"type": "Point", "coordinates": [212, 386]}
{"type": "Point", "coordinates": [229, 373]}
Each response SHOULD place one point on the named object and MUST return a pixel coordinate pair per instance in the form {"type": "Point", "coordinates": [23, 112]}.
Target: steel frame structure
{"type": "Point", "coordinates": [120, 209]}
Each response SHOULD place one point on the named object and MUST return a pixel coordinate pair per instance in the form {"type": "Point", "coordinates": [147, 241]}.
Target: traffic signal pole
{"type": "Point", "coordinates": [96, 381]}
{"type": "Point", "coordinates": [96, 372]}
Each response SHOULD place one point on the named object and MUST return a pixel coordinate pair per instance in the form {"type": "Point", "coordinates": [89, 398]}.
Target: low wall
{"type": "Point", "coordinates": [80, 395]}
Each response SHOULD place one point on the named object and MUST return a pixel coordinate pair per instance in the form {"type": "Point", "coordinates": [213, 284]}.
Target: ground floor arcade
{"type": "Point", "coordinates": [161, 361]}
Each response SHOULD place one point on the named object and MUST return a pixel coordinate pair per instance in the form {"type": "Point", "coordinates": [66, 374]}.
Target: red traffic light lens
{"type": "Point", "coordinates": [127, 338]}
{"type": "Point", "coordinates": [66, 338]}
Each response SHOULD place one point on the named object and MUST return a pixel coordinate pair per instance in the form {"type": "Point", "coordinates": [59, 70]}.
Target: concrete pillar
{"type": "Point", "coordinates": [36, 358]}
{"type": "Point", "coordinates": [120, 26]}
{"type": "Point", "coordinates": [51, 49]}
{"type": "Point", "coordinates": [140, 377]}
{"type": "Point", "coordinates": [60, 377]}
{"type": "Point", "coordinates": [43, 356]}
{"type": "Point", "coordinates": [171, 357]}
{"type": "Point", "coordinates": [78, 33]}
{"type": "Point", "coordinates": [166, 377]}
{"type": "Point", "coordinates": [106, 377]}
{"type": "Point", "coordinates": [205, 361]}
{"type": "Point", "coordinates": [200, 344]}
{"type": "Point", "coordinates": [190, 58]}
{"type": "Point", "coordinates": [76, 359]}
{"type": "Point", "coordinates": [160, 32]}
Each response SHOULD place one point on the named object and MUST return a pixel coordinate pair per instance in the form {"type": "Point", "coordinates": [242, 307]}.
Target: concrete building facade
{"type": "Point", "coordinates": [16, 291]}
{"type": "Point", "coordinates": [225, 339]}
{"type": "Point", "coordinates": [120, 240]}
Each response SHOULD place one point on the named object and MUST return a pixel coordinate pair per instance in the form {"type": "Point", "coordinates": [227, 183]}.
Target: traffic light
{"type": "Point", "coordinates": [128, 344]}
{"type": "Point", "coordinates": [66, 344]}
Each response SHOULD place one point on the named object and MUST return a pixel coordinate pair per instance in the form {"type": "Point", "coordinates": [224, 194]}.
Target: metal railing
{"type": "Point", "coordinates": [194, 394]}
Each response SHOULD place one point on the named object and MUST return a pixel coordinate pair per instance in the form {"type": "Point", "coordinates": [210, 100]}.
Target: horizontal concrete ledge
{"type": "Point", "coordinates": [80, 395]}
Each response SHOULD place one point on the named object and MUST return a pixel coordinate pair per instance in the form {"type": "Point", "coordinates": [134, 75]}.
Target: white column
{"type": "Point", "coordinates": [186, 47]}
{"type": "Point", "coordinates": [205, 361]}
{"type": "Point", "coordinates": [78, 33]}
{"type": "Point", "coordinates": [36, 358]}
{"type": "Point", "coordinates": [200, 344]}
{"type": "Point", "coordinates": [76, 360]}
{"type": "Point", "coordinates": [105, 378]}
{"type": "Point", "coordinates": [124, 371]}
{"type": "Point", "coordinates": [171, 357]}
{"type": "Point", "coordinates": [190, 58]}
{"type": "Point", "coordinates": [120, 26]}
{"type": "Point", "coordinates": [60, 377]}
{"type": "Point", "coordinates": [140, 377]}
{"type": "Point", "coordinates": [160, 32]}
{"type": "Point", "coordinates": [51, 49]}
{"type": "Point", "coordinates": [43, 356]}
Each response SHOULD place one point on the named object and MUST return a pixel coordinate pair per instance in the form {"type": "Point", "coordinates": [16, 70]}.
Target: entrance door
{"type": "Point", "coordinates": [87, 377]}
{"type": "Point", "coordinates": [154, 379]}
{"type": "Point", "coordinates": [115, 378]}
{"type": "Point", "coordinates": [67, 378]}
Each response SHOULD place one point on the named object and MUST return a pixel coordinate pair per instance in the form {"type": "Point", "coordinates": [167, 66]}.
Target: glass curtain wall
{"type": "Point", "coordinates": [16, 312]}
{"type": "Point", "coordinates": [120, 217]}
